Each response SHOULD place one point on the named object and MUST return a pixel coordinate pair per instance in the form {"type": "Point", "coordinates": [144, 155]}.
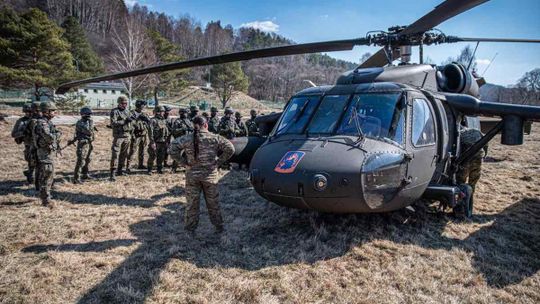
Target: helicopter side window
{"type": "Point", "coordinates": [376, 115]}
{"type": "Point", "coordinates": [423, 126]}
{"type": "Point", "coordinates": [328, 113]}
{"type": "Point", "coordinates": [297, 115]}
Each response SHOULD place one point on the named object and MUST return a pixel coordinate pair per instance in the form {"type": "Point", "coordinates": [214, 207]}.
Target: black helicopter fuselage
{"type": "Point", "coordinates": [367, 144]}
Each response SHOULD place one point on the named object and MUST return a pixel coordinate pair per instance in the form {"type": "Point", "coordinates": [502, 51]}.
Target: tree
{"type": "Point", "coordinates": [227, 78]}
{"type": "Point", "coordinates": [132, 51]}
{"type": "Point", "coordinates": [85, 59]}
{"type": "Point", "coordinates": [530, 81]}
{"type": "Point", "coordinates": [32, 52]}
{"type": "Point", "coordinates": [465, 57]}
{"type": "Point", "coordinates": [166, 52]}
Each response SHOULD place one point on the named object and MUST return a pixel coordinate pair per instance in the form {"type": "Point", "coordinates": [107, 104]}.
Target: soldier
{"type": "Point", "coordinates": [201, 159]}
{"type": "Point", "coordinates": [170, 121]}
{"type": "Point", "coordinates": [46, 142]}
{"type": "Point", "coordinates": [193, 111]}
{"type": "Point", "coordinates": [205, 115]}
{"type": "Point", "coordinates": [253, 128]}
{"type": "Point", "coordinates": [84, 135]}
{"type": "Point", "coordinates": [20, 134]}
{"type": "Point", "coordinates": [242, 128]}
{"type": "Point", "coordinates": [180, 127]}
{"type": "Point", "coordinates": [159, 132]}
{"type": "Point", "coordinates": [140, 134]}
{"type": "Point", "coordinates": [122, 126]}
{"type": "Point", "coordinates": [227, 126]}
{"type": "Point", "coordinates": [36, 115]}
{"type": "Point", "coordinates": [470, 171]}
{"type": "Point", "coordinates": [213, 122]}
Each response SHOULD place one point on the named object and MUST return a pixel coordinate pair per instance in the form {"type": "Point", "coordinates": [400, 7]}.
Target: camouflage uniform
{"type": "Point", "coordinates": [139, 140]}
{"type": "Point", "coordinates": [170, 121]}
{"type": "Point", "coordinates": [242, 129]}
{"type": "Point", "coordinates": [202, 174]}
{"type": "Point", "coordinates": [21, 135]}
{"type": "Point", "coordinates": [159, 133]}
{"type": "Point", "coordinates": [253, 128]}
{"type": "Point", "coordinates": [122, 126]}
{"type": "Point", "coordinates": [180, 127]}
{"type": "Point", "coordinates": [36, 115]}
{"type": "Point", "coordinates": [193, 111]}
{"type": "Point", "coordinates": [84, 134]}
{"type": "Point", "coordinates": [227, 127]}
{"type": "Point", "coordinates": [472, 169]}
{"type": "Point", "coordinates": [213, 121]}
{"type": "Point", "coordinates": [46, 142]}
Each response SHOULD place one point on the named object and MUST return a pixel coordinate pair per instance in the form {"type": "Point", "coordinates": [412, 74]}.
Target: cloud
{"type": "Point", "coordinates": [265, 26]}
{"type": "Point", "coordinates": [324, 16]}
{"type": "Point", "coordinates": [482, 61]}
{"type": "Point", "coordinates": [130, 3]}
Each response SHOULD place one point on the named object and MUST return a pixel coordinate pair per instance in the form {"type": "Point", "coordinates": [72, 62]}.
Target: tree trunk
{"type": "Point", "coordinates": [156, 101]}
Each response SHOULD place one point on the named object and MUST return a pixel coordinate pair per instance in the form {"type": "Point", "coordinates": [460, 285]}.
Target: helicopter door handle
{"type": "Point", "coordinates": [407, 157]}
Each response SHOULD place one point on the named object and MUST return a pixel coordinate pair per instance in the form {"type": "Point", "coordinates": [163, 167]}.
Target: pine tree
{"type": "Point", "coordinates": [85, 59]}
{"type": "Point", "coordinates": [227, 78]}
{"type": "Point", "coordinates": [32, 52]}
{"type": "Point", "coordinates": [166, 52]}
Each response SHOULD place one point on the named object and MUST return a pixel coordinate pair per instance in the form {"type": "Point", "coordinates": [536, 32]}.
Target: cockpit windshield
{"type": "Point", "coordinates": [380, 115]}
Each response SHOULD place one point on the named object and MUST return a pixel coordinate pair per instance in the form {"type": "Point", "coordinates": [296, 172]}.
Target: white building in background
{"type": "Point", "coordinates": [102, 94]}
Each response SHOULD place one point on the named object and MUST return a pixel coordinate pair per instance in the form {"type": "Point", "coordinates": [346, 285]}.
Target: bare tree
{"type": "Point", "coordinates": [132, 50]}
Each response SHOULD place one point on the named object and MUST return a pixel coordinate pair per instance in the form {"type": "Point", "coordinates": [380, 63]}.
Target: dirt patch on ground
{"type": "Point", "coordinates": [124, 242]}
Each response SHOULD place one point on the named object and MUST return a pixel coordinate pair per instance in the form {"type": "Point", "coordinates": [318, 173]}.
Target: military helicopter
{"type": "Point", "coordinates": [383, 136]}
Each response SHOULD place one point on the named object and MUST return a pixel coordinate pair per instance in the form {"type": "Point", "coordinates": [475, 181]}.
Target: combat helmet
{"type": "Point", "coordinates": [159, 109]}
{"type": "Point", "coordinates": [35, 106]}
{"type": "Point", "coordinates": [182, 110]}
{"type": "Point", "coordinates": [213, 110]}
{"type": "Point", "coordinates": [27, 108]}
{"type": "Point", "coordinates": [140, 103]}
{"type": "Point", "coordinates": [85, 111]}
{"type": "Point", "coordinates": [229, 110]}
{"type": "Point", "coordinates": [194, 109]}
{"type": "Point", "coordinates": [47, 106]}
{"type": "Point", "coordinates": [253, 112]}
{"type": "Point", "coordinates": [238, 114]}
{"type": "Point", "coordinates": [167, 108]}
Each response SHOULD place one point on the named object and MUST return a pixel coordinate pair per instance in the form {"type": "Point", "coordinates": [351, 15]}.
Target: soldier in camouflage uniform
{"type": "Point", "coordinates": [180, 127]}
{"type": "Point", "coordinates": [158, 135]}
{"type": "Point", "coordinates": [84, 135]}
{"type": "Point", "coordinates": [122, 126]}
{"type": "Point", "coordinates": [170, 121]}
{"type": "Point", "coordinates": [470, 171]}
{"type": "Point", "coordinates": [201, 150]}
{"type": "Point", "coordinates": [139, 139]}
{"type": "Point", "coordinates": [193, 111]}
{"type": "Point", "coordinates": [46, 142]}
{"type": "Point", "coordinates": [213, 121]}
{"type": "Point", "coordinates": [242, 128]}
{"type": "Point", "coordinates": [253, 128]}
{"type": "Point", "coordinates": [227, 126]}
{"type": "Point", "coordinates": [36, 115]}
{"type": "Point", "coordinates": [20, 134]}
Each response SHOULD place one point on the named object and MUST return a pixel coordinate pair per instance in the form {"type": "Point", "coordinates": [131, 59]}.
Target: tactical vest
{"type": "Point", "coordinates": [160, 130]}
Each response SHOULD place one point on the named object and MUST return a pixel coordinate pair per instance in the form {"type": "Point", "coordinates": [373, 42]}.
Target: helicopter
{"type": "Point", "coordinates": [379, 139]}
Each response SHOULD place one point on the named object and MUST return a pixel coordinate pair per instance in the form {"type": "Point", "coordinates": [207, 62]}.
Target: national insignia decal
{"type": "Point", "coordinates": [289, 161]}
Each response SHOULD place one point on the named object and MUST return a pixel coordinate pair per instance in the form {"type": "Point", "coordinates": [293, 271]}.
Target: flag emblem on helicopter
{"type": "Point", "coordinates": [289, 161]}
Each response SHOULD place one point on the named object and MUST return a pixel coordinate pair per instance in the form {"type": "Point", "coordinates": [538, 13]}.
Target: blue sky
{"type": "Point", "coordinates": [314, 20]}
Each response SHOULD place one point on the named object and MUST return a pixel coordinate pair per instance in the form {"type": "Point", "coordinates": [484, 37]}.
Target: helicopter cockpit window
{"type": "Point", "coordinates": [328, 113]}
{"type": "Point", "coordinates": [376, 115]}
{"type": "Point", "coordinates": [297, 115]}
{"type": "Point", "coordinates": [423, 126]}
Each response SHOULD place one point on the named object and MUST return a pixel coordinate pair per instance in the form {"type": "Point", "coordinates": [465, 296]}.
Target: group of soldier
{"type": "Point", "coordinates": [193, 141]}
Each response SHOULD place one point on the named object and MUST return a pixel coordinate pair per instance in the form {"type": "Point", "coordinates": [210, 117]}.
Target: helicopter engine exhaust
{"type": "Point", "coordinates": [455, 78]}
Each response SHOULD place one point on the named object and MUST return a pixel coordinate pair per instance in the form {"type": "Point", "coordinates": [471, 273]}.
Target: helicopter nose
{"type": "Point", "coordinates": [329, 177]}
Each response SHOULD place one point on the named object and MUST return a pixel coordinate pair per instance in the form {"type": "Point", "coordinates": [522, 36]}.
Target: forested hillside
{"type": "Point", "coordinates": [109, 26]}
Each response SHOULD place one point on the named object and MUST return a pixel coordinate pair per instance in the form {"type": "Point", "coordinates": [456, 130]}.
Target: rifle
{"type": "Point", "coordinates": [69, 143]}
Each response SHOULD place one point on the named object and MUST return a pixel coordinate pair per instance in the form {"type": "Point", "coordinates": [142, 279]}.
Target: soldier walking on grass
{"type": "Point", "coordinates": [201, 160]}
{"type": "Point", "coordinates": [158, 135]}
{"type": "Point", "coordinates": [84, 136]}
{"type": "Point", "coordinates": [47, 143]}
{"type": "Point", "coordinates": [139, 140]}
{"type": "Point", "coordinates": [122, 126]}
{"type": "Point", "coordinates": [20, 135]}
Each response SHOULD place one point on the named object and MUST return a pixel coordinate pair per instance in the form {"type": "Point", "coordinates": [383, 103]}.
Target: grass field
{"type": "Point", "coordinates": [124, 242]}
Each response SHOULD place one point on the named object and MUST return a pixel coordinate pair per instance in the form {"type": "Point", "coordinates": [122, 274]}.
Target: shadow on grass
{"type": "Point", "coordinates": [261, 235]}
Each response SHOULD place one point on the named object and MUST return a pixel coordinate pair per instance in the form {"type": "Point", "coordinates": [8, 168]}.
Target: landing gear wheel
{"type": "Point", "coordinates": [465, 206]}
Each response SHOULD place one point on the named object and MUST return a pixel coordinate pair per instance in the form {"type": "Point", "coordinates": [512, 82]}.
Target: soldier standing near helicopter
{"type": "Point", "coordinates": [159, 133]}
{"type": "Point", "coordinates": [20, 135]}
{"type": "Point", "coordinates": [180, 127]}
{"type": "Point", "coordinates": [213, 121]}
{"type": "Point", "coordinates": [122, 126]}
{"type": "Point", "coordinates": [201, 159]}
{"type": "Point", "coordinates": [139, 139]}
{"type": "Point", "coordinates": [253, 128]}
{"type": "Point", "coordinates": [84, 135]}
{"type": "Point", "coordinates": [227, 126]}
{"type": "Point", "coordinates": [241, 126]}
{"type": "Point", "coordinates": [46, 142]}
{"type": "Point", "coordinates": [470, 171]}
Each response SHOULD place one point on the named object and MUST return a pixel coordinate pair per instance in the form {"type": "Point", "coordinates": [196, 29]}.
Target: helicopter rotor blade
{"type": "Point", "coordinates": [441, 13]}
{"type": "Point", "coordinates": [296, 49]}
{"type": "Point", "coordinates": [462, 39]}
{"type": "Point", "coordinates": [378, 59]}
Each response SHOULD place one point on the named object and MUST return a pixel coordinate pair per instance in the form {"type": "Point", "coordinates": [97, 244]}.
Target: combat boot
{"type": "Point", "coordinates": [87, 176]}
{"type": "Point", "coordinates": [159, 170]}
{"type": "Point", "coordinates": [112, 178]}
{"type": "Point", "coordinates": [120, 172]}
{"type": "Point", "coordinates": [48, 203]}
{"type": "Point", "coordinates": [76, 180]}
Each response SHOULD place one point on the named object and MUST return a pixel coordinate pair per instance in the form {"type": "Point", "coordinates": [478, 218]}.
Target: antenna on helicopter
{"type": "Point", "coordinates": [472, 57]}
{"type": "Point", "coordinates": [310, 82]}
{"type": "Point", "coordinates": [492, 59]}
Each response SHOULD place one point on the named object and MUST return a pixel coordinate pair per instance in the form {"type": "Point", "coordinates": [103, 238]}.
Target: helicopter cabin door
{"type": "Point", "coordinates": [421, 143]}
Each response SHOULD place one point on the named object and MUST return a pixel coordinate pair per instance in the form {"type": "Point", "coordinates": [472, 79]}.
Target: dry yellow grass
{"type": "Point", "coordinates": [124, 242]}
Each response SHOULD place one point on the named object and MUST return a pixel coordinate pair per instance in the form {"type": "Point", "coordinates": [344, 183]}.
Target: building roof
{"type": "Point", "coordinates": [105, 86]}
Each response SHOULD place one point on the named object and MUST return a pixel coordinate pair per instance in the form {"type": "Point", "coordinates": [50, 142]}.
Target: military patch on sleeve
{"type": "Point", "coordinates": [289, 161]}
